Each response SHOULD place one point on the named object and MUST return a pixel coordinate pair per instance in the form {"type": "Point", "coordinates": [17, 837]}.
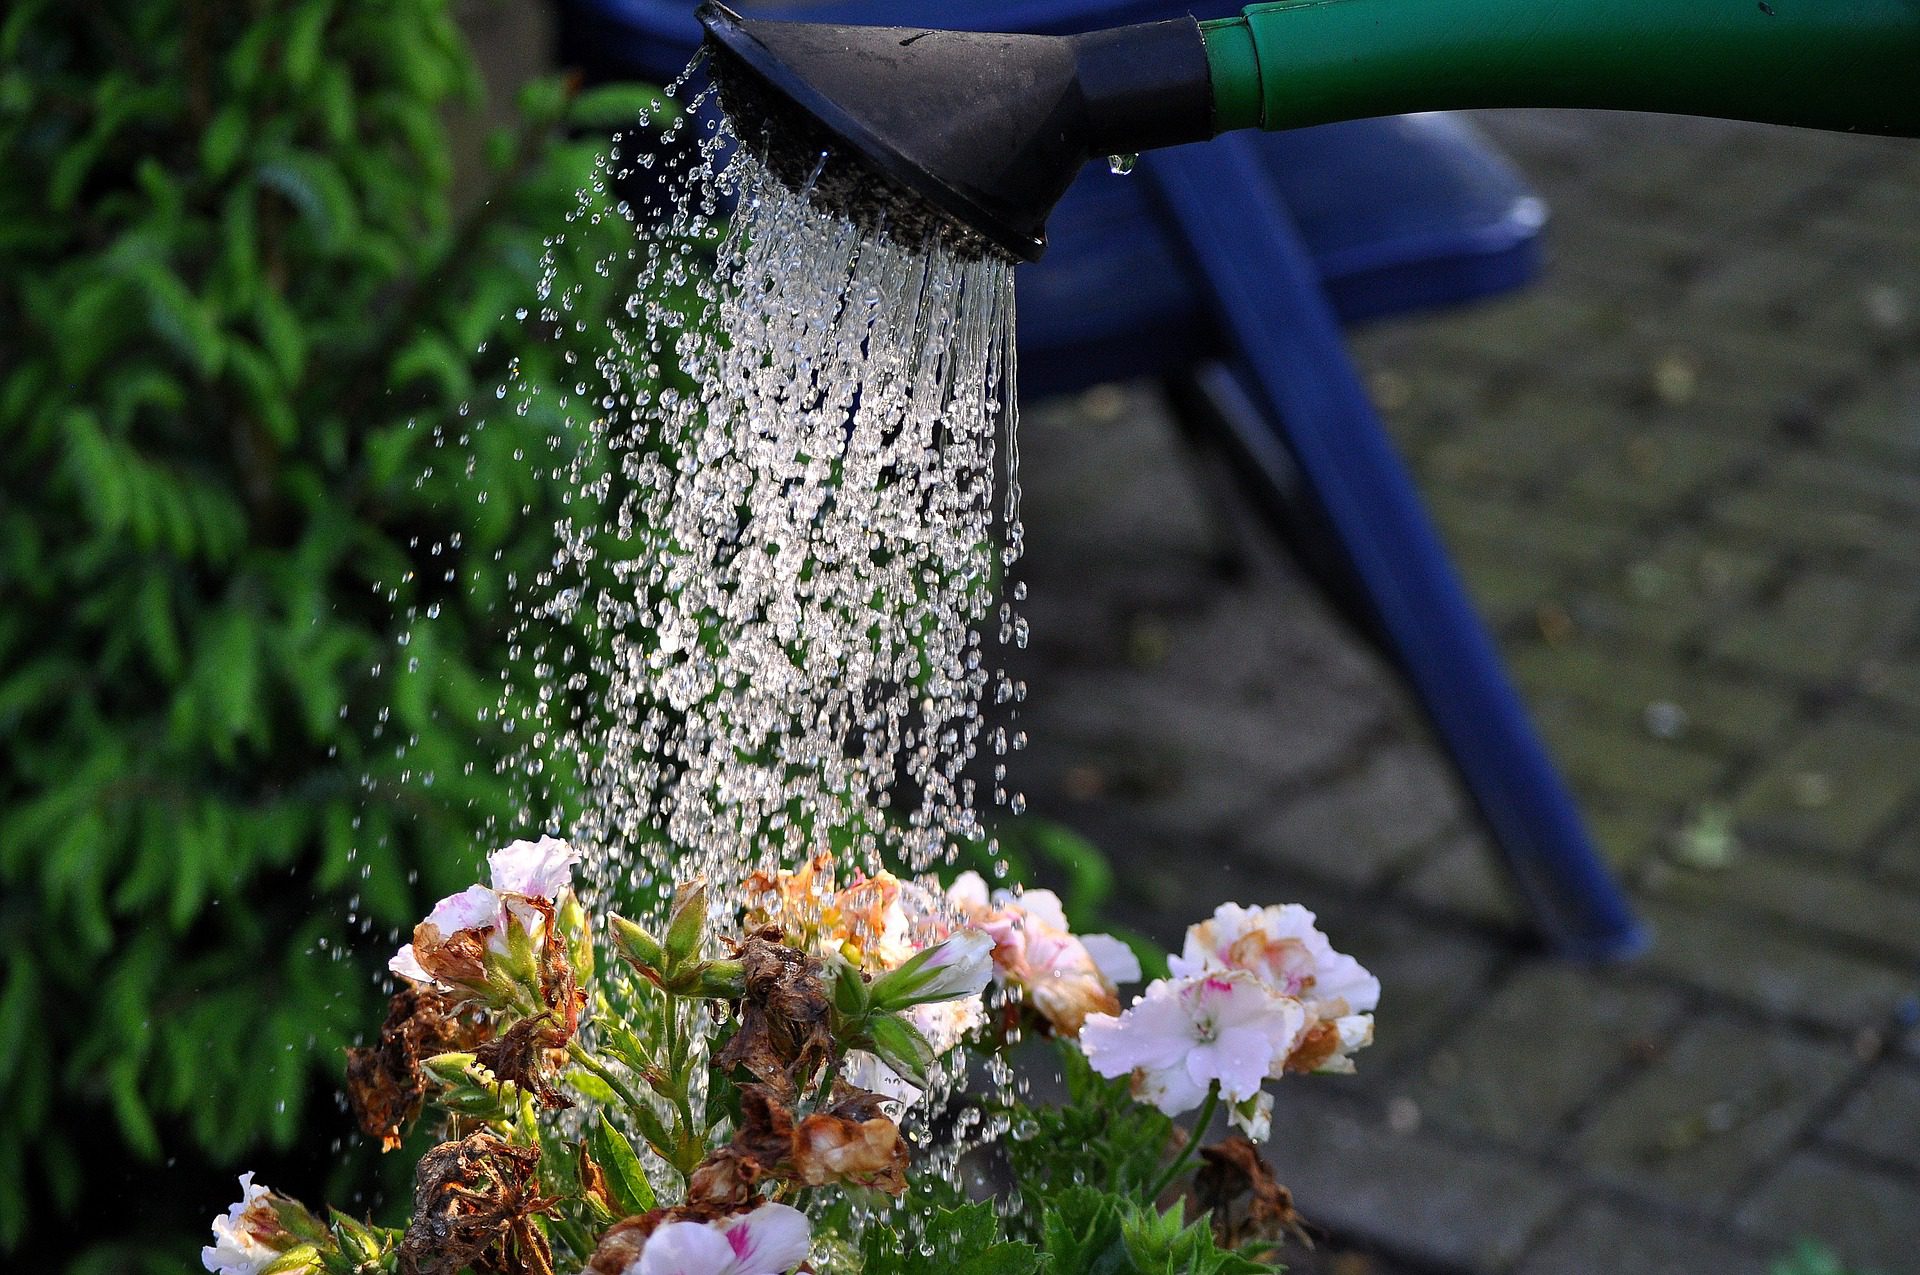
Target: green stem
{"type": "Point", "coordinates": [578, 1053]}
{"type": "Point", "coordinates": [677, 1067]}
{"type": "Point", "coordinates": [1172, 1171]}
{"type": "Point", "coordinates": [824, 1094]}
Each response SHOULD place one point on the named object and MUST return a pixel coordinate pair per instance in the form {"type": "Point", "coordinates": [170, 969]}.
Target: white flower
{"type": "Point", "coordinates": [1254, 1117]}
{"type": "Point", "coordinates": [1065, 976]}
{"type": "Point", "coordinates": [536, 869]}
{"type": "Point", "coordinates": [1184, 1035]}
{"type": "Point", "coordinates": [771, 1240]}
{"type": "Point", "coordinates": [525, 876]}
{"type": "Point", "coordinates": [1285, 949]}
{"type": "Point", "coordinates": [249, 1238]}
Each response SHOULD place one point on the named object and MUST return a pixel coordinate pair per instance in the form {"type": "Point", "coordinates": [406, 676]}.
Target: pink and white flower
{"type": "Point", "coordinates": [528, 877]}
{"type": "Point", "coordinates": [250, 1237]}
{"type": "Point", "coordinates": [1284, 948]}
{"type": "Point", "coordinates": [1185, 1035]}
{"type": "Point", "coordinates": [771, 1240]}
{"type": "Point", "coordinates": [1064, 976]}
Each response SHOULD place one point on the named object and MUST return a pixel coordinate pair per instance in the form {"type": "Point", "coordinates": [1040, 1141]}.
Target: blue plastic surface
{"type": "Point", "coordinates": [1242, 257]}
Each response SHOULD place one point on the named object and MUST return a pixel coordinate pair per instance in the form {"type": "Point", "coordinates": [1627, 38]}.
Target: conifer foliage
{"type": "Point", "coordinates": [241, 323]}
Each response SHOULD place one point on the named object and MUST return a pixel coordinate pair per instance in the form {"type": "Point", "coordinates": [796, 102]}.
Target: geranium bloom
{"type": "Point", "coordinates": [877, 922]}
{"type": "Point", "coordinates": [1285, 949]}
{"type": "Point", "coordinates": [1186, 1034]}
{"type": "Point", "coordinates": [1065, 976]}
{"type": "Point", "coordinates": [250, 1237]}
{"type": "Point", "coordinates": [528, 877]}
{"type": "Point", "coordinates": [771, 1240]}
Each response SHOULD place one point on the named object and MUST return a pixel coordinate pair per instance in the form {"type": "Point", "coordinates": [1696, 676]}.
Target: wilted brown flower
{"type": "Point", "coordinates": [620, 1247]}
{"type": "Point", "coordinates": [458, 958]}
{"type": "Point", "coordinates": [784, 1036]}
{"type": "Point", "coordinates": [1233, 1168]}
{"type": "Point", "coordinates": [384, 1083]}
{"type": "Point", "coordinates": [524, 1055]}
{"type": "Point", "coordinates": [852, 1142]}
{"type": "Point", "coordinates": [473, 1204]}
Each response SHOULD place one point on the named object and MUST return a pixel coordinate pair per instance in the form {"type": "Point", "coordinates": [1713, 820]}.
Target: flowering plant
{"type": "Point", "coordinates": [733, 1103]}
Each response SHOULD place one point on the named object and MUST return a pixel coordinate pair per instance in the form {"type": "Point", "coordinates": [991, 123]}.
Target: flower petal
{"type": "Point", "coordinates": [771, 1240]}
{"type": "Point", "coordinates": [1114, 959]}
{"type": "Point", "coordinates": [407, 965]}
{"type": "Point", "coordinates": [472, 908]}
{"type": "Point", "coordinates": [538, 869]}
{"type": "Point", "coordinates": [685, 1248]}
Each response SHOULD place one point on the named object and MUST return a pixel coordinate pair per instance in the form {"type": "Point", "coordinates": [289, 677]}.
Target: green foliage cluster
{"type": "Point", "coordinates": [1084, 1174]}
{"type": "Point", "coordinates": [241, 312]}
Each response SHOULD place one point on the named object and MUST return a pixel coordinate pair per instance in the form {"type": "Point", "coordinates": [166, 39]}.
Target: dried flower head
{"type": "Point", "coordinates": [1232, 1170]}
{"type": "Point", "coordinates": [473, 1200]}
{"type": "Point", "coordinates": [851, 1143]}
{"type": "Point", "coordinates": [384, 1082]}
{"type": "Point", "coordinates": [784, 1036]}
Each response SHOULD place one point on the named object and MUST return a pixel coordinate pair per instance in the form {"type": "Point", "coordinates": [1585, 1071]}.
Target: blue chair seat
{"type": "Point", "coordinates": [1398, 214]}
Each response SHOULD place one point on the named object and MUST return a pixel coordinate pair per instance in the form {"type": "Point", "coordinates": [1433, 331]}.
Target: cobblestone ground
{"type": "Point", "coordinates": [1683, 478]}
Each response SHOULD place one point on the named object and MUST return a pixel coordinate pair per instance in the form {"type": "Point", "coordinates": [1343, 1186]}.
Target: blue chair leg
{"type": "Point", "coordinates": [1295, 367]}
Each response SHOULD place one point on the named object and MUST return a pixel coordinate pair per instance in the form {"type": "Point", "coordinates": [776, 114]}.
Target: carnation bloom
{"type": "Point", "coordinates": [250, 1237]}
{"type": "Point", "coordinates": [1283, 948]}
{"type": "Point", "coordinates": [1184, 1035]}
{"type": "Point", "coordinates": [771, 1240]}
{"type": "Point", "coordinates": [527, 876]}
{"type": "Point", "coordinates": [1064, 976]}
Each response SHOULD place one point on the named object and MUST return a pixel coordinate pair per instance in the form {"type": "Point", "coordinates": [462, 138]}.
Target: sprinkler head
{"type": "Point", "coordinates": [967, 135]}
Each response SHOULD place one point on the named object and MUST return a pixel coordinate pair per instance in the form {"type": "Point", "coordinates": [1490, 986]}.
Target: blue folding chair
{"type": "Point", "coordinates": [1226, 269]}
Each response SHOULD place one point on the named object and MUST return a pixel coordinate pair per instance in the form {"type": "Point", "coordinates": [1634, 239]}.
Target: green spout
{"type": "Point", "coordinates": [1852, 65]}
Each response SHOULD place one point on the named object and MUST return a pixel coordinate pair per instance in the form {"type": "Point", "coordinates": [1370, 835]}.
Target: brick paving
{"type": "Point", "coordinates": [1682, 476]}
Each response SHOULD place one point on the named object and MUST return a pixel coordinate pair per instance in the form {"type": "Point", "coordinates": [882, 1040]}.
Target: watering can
{"type": "Point", "coordinates": [989, 130]}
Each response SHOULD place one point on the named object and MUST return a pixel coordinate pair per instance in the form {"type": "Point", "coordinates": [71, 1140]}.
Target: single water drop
{"type": "Point", "coordinates": [1121, 165]}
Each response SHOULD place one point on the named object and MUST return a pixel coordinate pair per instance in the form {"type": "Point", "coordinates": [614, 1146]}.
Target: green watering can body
{"type": "Point", "coordinates": [990, 129]}
{"type": "Point", "coordinates": [1851, 65]}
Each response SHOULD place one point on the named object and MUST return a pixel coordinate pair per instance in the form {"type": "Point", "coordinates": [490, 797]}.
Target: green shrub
{"type": "Point", "coordinates": [239, 313]}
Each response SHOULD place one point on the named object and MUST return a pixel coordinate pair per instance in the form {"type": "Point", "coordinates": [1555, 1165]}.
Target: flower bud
{"type": "Point", "coordinates": [448, 1069]}
{"type": "Point", "coordinates": [721, 980]}
{"type": "Point", "coordinates": [960, 966]}
{"type": "Point", "coordinates": [850, 998]}
{"type": "Point", "coordinates": [686, 923]}
{"type": "Point", "coordinates": [636, 945]}
{"type": "Point", "coordinates": [570, 918]}
{"type": "Point", "coordinates": [900, 1046]}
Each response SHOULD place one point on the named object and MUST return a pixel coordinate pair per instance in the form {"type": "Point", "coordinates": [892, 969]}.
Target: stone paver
{"type": "Point", "coordinates": [1777, 972]}
{"type": "Point", "coordinates": [1866, 1215]}
{"type": "Point", "coordinates": [1696, 1121]}
{"type": "Point", "coordinates": [1642, 1244]}
{"type": "Point", "coordinates": [1411, 1195]}
{"type": "Point", "coordinates": [1579, 1029]}
{"type": "Point", "coordinates": [1883, 1117]}
{"type": "Point", "coordinates": [1836, 788]}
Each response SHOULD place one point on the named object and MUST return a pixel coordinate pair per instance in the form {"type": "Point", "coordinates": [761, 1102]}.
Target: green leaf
{"type": "Point", "coordinates": [225, 138]}
{"type": "Point", "coordinates": [626, 1179]}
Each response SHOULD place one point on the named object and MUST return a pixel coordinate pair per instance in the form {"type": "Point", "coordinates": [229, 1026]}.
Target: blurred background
{"type": "Point", "coordinates": [247, 254]}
